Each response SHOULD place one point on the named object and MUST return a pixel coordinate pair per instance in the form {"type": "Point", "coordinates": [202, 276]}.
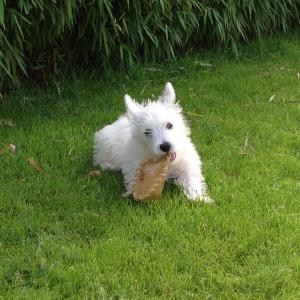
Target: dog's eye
{"type": "Point", "coordinates": [169, 125]}
{"type": "Point", "coordinates": [148, 132]}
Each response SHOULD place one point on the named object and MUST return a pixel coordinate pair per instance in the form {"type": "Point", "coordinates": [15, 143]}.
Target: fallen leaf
{"type": "Point", "coordinates": [8, 148]}
{"type": "Point", "coordinates": [265, 74]}
{"type": "Point", "coordinates": [272, 98]}
{"type": "Point", "coordinates": [245, 143]}
{"type": "Point", "coordinates": [35, 164]}
{"type": "Point", "coordinates": [153, 69]}
{"type": "Point", "coordinates": [244, 150]}
{"type": "Point", "coordinates": [12, 148]}
{"type": "Point", "coordinates": [194, 114]}
{"type": "Point", "coordinates": [202, 64]}
{"type": "Point", "coordinates": [6, 122]}
{"type": "Point", "coordinates": [71, 150]}
{"type": "Point", "coordinates": [92, 213]}
{"type": "Point", "coordinates": [94, 174]}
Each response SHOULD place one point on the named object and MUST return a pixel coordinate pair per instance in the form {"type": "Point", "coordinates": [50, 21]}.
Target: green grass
{"type": "Point", "coordinates": [64, 234]}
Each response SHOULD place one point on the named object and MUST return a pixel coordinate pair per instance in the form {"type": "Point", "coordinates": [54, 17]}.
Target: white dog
{"type": "Point", "coordinates": [152, 129]}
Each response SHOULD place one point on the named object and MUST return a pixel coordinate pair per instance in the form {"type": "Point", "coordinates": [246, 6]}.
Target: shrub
{"type": "Point", "coordinates": [38, 37]}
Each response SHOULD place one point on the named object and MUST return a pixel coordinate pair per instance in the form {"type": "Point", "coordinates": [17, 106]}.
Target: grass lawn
{"type": "Point", "coordinates": [64, 234]}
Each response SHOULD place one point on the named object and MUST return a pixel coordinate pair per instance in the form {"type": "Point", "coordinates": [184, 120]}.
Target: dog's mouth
{"type": "Point", "coordinates": [172, 156]}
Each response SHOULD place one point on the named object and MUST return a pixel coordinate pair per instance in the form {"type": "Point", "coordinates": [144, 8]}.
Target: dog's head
{"type": "Point", "coordinates": [158, 125]}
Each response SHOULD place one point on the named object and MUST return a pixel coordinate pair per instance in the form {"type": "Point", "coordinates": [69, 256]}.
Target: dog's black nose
{"type": "Point", "coordinates": [165, 147]}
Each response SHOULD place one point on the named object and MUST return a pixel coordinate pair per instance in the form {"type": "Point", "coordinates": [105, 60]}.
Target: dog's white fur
{"type": "Point", "coordinates": [124, 143]}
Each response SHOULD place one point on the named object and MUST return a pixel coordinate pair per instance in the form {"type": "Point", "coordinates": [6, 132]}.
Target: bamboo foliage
{"type": "Point", "coordinates": [38, 37]}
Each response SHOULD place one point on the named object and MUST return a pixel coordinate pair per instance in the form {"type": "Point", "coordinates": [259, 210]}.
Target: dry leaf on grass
{"type": "Point", "coordinates": [35, 164]}
{"type": "Point", "coordinates": [8, 148]}
{"type": "Point", "coordinates": [244, 150]}
{"type": "Point", "coordinates": [153, 69]}
{"type": "Point", "coordinates": [92, 213]}
{"type": "Point", "coordinates": [12, 148]}
{"type": "Point", "coordinates": [272, 98]}
{"type": "Point", "coordinates": [94, 174]}
{"type": "Point", "coordinates": [6, 122]}
{"type": "Point", "coordinates": [265, 74]}
{"type": "Point", "coordinates": [194, 114]}
{"type": "Point", "coordinates": [203, 64]}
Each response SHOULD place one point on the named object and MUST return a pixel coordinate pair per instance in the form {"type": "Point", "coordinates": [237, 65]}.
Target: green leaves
{"type": "Point", "coordinates": [1, 12]}
{"type": "Point", "coordinates": [35, 35]}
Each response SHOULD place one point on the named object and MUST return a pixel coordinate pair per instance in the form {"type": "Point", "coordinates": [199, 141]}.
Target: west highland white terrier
{"type": "Point", "coordinates": [153, 128]}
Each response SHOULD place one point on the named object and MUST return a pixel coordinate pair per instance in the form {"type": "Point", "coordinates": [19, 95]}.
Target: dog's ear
{"type": "Point", "coordinates": [168, 96]}
{"type": "Point", "coordinates": [131, 106]}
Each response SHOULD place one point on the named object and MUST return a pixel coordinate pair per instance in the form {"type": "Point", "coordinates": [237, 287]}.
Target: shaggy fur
{"type": "Point", "coordinates": [152, 129]}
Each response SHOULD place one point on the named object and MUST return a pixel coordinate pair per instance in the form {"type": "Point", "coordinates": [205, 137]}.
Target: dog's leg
{"type": "Point", "coordinates": [129, 179]}
{"type": "Point", "coordinates": [108, 166]}
{"type": "Point", "coordinates": [194, 187]}
{"type": "Point", "coordinates": [128, 187]}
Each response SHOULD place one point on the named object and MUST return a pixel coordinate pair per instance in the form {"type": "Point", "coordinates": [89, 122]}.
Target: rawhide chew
{"type": "Point", "coordinates": [150, 178]}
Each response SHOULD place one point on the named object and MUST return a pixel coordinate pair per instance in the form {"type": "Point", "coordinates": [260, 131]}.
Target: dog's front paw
{"type": "Point", "coordinates": [196, 194]}
{"type": "Point", "coordinates": [203, 198]}
{"type": "Point", "coordinates": [207, 199]}
{"type": "Point", "coordinates": [126, 194]}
